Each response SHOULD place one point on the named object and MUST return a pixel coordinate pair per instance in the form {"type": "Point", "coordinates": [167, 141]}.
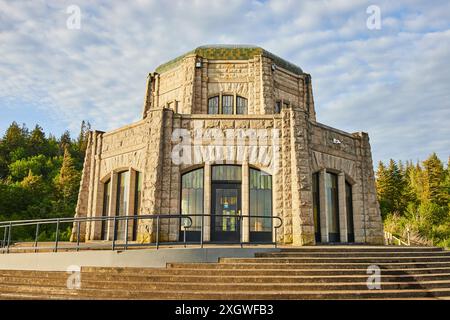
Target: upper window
{"type": "Point", "coordinates": [277, 107]}
{"type": "Point", "coordinates": [241, 105]}
{"type": "Point", "coordinates": [213, 105]}
{"type": "Point", "coordinates": [227, 104]}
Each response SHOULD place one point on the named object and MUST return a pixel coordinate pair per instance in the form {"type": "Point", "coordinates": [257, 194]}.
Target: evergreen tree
{"type": "Point", "coordinates": [433, 180]}
{"type": "Point", "coordinates": [68, 180]}
{"type": "Point", "coordinates": [37, 141]}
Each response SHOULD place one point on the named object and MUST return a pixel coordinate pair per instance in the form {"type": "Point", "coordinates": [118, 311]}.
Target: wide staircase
{"type": "Point", "coordinates": [327, 272]}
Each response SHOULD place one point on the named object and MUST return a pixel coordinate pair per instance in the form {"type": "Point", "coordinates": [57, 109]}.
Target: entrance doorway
{"type": "Point", "coordinates": [226, 209]}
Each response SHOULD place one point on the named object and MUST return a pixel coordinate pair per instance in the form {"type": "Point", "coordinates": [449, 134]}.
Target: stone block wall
{"type": "Point", "coordinates": [177, 98]}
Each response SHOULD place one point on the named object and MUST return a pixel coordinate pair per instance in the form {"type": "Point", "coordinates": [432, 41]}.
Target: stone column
{"type": "Point", "coordinates": [112, 205]}
{"type": "Point", "coordinates": [342, 208]}
{"type": "Point", "coordinates": [92, 180]}
{"type": "Point", "coordinates": [245, 198]}
{"type": "Point", "coordinates": [131, 202]}
{"type": "Point", "coordinates": [207, 202]}
{"type": "Point", "coordinates": [97, 199]}
{"type": "Point", "coordinates": [323, 207]}
{"type": "Point", "coordinates": [152, 174]}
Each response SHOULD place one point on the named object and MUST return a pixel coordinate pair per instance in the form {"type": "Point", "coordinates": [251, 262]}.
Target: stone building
{"type": "Point", "coordinates": [230, 133]}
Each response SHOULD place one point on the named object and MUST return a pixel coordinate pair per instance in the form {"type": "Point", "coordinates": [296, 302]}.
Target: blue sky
{"type": "Point", "coordinates": [393, 83]}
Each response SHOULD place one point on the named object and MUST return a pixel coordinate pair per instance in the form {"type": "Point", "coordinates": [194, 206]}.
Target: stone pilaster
{"type": "Point", "coordinates": [83, 195]}
{"type": "Point", "coordinates": [207, 202]}
{"type": "Point", "coordinates": [245, 223]}
{"type": "Point", "coordinates": [323, 207]}
{"type": "Point", "coordinates": [342, 208]}
{"type": "Point", "coordinates": [372, 213]}
{"type": "Point", "coordinates": [302, 210]}
{"type": "Point", "coordinates": [152, 174]}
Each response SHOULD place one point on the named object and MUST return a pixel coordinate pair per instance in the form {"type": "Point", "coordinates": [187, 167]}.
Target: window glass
{"type": "Point", "coordinates": [213, 105]}
{"type": "Point", "coordinates": [316, 205]}
{"type": "Point", "coordinates": [260, 201]}
{"type": "Point", "coordinates": [105, 212]}
{"type": "Point", "coordinates": [137, 201]}
{"type": "Point", "coordinates": [192, 197]}
{"type": "Point", "coordinates": [241, 105]}
{"type": "Point", "coordinates": [122, 202]}
{"type": "Point", "coordinates": [227, 173]}
{"type": "Point", "coordinates": [277, 107]}
{"type": "Point", "coordinates": [349, 206]}
{"type": "Point", "coordinates": [227, 104]}
{"type": "Point", "coordinates": [332, 203]}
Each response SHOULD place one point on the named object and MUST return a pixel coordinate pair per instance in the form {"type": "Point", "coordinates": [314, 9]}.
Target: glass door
{"type": "Point", "coordinates": [226, 206]}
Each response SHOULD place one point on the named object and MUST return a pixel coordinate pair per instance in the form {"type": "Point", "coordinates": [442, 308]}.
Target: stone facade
{"type": "Point", "coordinates": [279, 103]}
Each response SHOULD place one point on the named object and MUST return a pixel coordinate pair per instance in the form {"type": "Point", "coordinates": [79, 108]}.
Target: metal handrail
{"type": "Point", "coordinates": [389, 239]}
{"type": "Point", "coordinates": [8, 225]}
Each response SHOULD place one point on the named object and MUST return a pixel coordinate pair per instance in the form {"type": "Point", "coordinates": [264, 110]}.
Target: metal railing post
{"type": "Point", "coordinates": [56, 235]}
{"type": "Point", "coordinates": [157, 232]}
{"type": "Point", "coordinates": [113, 245]}
{"type": "Point", "coordinates": [240, 231]}
{"type": "Point", "coordinates": [201, 231]}
{"type": "Point", "coordinates": [9, 237]}
{"type": "Point", "coordinates": [36, 238]}
{"type": "Point", "coordinates": [78, 236]}
{"type": "Point", "coordinates": [4, 237]}
{"type": "Point", "coordinates": [126, 232]}
{"type": "Point", "coordinates": [275, 240]}
{"type": "Point", "coordinates": [184, 235]}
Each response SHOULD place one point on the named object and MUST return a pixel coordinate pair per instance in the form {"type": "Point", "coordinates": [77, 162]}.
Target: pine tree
{"type": "Point", "coordinates": [433, 180]}
{"type": "Point", "coordinates": [64, 142]}
{"type": "Point", "coordinates": [68, 180]}
{"type": "Point", "coordinates": [82, 137]}
{"type": "Point", "coordinates": [37, 141]}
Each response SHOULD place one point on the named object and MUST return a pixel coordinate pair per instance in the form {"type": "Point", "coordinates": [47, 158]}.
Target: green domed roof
{"type": "Point", "coordinates": [231, 52]}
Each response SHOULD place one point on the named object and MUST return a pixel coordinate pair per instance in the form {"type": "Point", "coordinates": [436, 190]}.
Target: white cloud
{"type": "Point", "coordinates": [391, 82]}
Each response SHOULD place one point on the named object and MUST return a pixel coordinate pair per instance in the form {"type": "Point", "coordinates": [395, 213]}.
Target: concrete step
{"type": "Point", "coordinates": [300, 254]}
{"type": "Point", "coordinates": [144, 272]}
{"type": "Point", "coordinates": [240, 287]}
{"type": "Point", "coordinates": [308, 266]}
{"type": "Point", "coordinates": [330, 248]}
{"type": "Point", "coordinates": [127, 278]}
{"type": "Point", "coordinates": [97, 293]}
{"type": "Point", "coordinates": [262, 272]}
{"type": "Point", "coordinates": [306, 259]}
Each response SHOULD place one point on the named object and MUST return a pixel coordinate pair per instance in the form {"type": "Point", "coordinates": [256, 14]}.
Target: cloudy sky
{"type": "Point", "coordinates": [392, 82]}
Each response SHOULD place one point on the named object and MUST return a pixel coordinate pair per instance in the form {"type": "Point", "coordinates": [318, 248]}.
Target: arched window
{"type": "Point", "coordinates": [260, 205]}
{"type": "Point", "coordinates": [137, 202]}
{"type": "Point", "coordinates": [122, 202]}
{"type": "Point", "coordinates": [105, 212]}
{"type": "Point", "coordinates": [213, 105]}
{"type": "Point", "coordinates": [349, 207]}
{"type": "Point", "coordinates": [332, 202]}
{"type": "Point", "coordinates": [316, 206]}
{"type": "Point", "coordinates": [224, 104]}
{"type": "Point", "coordinates": [192, 201]}
{"type": "Point", "coordinates": [241, 105]}
{"type": "Point", "coordinates": [227, 104]}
